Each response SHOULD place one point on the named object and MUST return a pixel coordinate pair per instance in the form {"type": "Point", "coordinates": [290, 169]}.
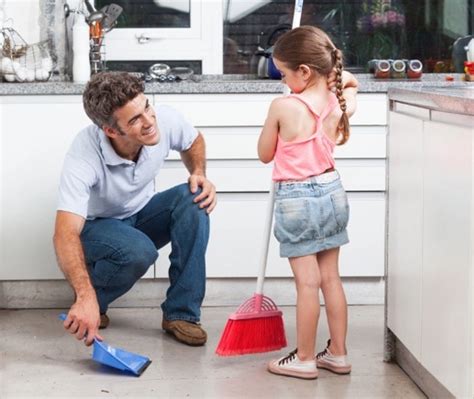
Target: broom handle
{"type": "Point", "coordinates": [297, 14]}
{"type": "Point", "coordinates": [271, 200]}
{"type": "Point", "coordinates": [266, 240]}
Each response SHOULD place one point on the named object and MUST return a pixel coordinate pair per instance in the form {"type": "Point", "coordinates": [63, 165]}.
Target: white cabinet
{"type": "Point", "coordinates": [231, 125]}
{"type": "Point", "coordinates": [405, 232]}
{"type": "Point", "coordinates": [36, 132]}
{"type": "Point", "coordinates": [430, 241]}
{"type": "Point", "coordinates": [448, 246]}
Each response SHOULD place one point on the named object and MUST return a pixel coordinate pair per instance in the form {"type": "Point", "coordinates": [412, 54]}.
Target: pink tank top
{"type": "Point", "coordinates": [300, 159]}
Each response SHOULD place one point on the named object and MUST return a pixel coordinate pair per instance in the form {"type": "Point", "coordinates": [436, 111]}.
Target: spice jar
{"type": "Point", "coordinates": [382, 69]}
{"type": "Point", "coordinates": [469, 70]}
{"type": "Point", "coordinates": [398, 69]}
{"type": "Point", "coordinates": [414, 69]}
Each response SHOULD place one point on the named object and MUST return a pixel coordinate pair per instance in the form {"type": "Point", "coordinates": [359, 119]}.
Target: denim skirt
{"type": "Point", "coordinates": [310, 215]}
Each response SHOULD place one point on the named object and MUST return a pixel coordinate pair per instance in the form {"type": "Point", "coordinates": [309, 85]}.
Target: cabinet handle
{"type": "Point", "coordinates": [144, 39]}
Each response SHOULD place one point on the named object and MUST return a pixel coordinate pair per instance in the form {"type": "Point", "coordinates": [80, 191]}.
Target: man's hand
{"type": "Point", "coordinates": [83, 320]}
{"type": "Point", "coordinates": [208, 193]}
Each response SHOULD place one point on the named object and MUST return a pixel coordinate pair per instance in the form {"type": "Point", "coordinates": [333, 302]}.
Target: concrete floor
{"type": "Point", "coordinates": [38, 359]}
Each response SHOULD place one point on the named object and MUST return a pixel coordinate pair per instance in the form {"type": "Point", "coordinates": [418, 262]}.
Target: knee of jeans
{"type": "Point", "coordinates": [184, 193]}
{"type": "Point", "coordinates": [186, 200]}
{"type": "Point", "coordinates": [141, 258]}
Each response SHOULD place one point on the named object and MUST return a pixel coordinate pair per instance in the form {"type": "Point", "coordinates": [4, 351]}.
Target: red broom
{"type": "Point", "coordinates": [257, 325]}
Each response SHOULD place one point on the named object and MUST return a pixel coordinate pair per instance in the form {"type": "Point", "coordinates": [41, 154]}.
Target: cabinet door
{"type": "Point", "coordinates": [36, 132]}
{"type": "Point", "coordinates": [237, 226]}
{"type": "Point", "coordinates": [405, 217]}
{"type": "Point", "coordinates": [447, 254]}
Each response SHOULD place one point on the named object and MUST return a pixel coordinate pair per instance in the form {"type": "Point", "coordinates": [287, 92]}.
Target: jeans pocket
{"type": "Point", "coordinates": [291, 220]}
{"type": "Point", "coordinates": [340, 205]}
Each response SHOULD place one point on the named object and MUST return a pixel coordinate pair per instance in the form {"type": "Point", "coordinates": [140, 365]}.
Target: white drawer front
{"type": "Point", "coordinates": [252, 176]}
{"type": "Point", "coordinates": [241, 143]}
{"type": "Point", "coordinates": [251, 109]}
{"type": "Point", "coordinates": [221, 109]}
{"type": "Point", "coordinates": [236, 237]}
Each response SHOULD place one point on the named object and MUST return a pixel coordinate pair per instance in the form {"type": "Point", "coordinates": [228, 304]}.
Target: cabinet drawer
{"type": "Point", "coordinates": [241, 143]}
{"type": "Point", "coordinates": [253, 176]}
{"type": "Point", "coordinates": [237, 226]}
{"type": "Point", "coordinates": [221, 109]}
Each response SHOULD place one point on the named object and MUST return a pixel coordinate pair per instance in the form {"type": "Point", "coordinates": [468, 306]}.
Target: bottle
{"type": "Point", "coordinates": [81, 67]}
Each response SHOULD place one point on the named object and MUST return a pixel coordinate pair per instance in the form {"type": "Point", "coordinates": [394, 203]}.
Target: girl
{"type": "Point", "coordinates": [311, 208]}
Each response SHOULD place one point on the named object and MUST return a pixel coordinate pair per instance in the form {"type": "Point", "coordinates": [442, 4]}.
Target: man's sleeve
{"type": "Point", "coordinates": [182, 133]}
{"type": "Point", "coordinates": [77, 179]}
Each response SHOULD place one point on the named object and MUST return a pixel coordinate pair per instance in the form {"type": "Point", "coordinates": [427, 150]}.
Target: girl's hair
{"type": "Point", "coordinates": [311, 46]}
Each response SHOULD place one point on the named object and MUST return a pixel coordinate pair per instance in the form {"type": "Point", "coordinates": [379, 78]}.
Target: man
{"type": "Point", "coordinates": [110, 223]}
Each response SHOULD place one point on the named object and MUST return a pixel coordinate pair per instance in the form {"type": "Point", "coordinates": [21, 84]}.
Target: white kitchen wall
{"type": "Point", "coordinates": [24, 16]}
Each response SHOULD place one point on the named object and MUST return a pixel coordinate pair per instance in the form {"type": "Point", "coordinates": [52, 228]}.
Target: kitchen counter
{"type": "Point", "coordinates": [456, 98]}
{"type": "Point", "coordinates": [200, 84]}
{"type": "Point", "coordinates": [430, 231]}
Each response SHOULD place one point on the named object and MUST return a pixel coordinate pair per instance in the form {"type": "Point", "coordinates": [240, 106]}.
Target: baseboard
{"type": "Point", "coordinates": [151, 292]}
{"type": "Point", "coordinates": [430, 386]}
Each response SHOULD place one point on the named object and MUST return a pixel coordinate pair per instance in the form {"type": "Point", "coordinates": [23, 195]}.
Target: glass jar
{"type": "Point", "coordinates": [414, 69]}
{"type": "Point", "coordinates": [382, 69]}
{"type": "Point", "coordinates": [398, 69]}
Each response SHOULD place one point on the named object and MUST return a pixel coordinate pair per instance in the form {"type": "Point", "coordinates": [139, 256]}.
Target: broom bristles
{"type": "Point", "coordinates": [257, 335]}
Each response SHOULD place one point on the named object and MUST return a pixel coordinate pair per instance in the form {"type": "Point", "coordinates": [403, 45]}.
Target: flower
{"type": "Point", "coordinates": [381, 14]}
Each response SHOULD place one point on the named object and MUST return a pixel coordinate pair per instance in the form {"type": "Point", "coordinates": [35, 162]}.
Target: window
{"type": "Point", "coordinates": [150, 31]}
{"type": "Point", "coordinates": [362, 29]}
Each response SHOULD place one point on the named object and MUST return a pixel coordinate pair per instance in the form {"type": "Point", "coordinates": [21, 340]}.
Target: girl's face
{"type": "Point", "coordinates": [297, 80]}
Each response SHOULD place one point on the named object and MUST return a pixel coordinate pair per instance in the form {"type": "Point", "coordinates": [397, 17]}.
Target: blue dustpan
{"type": "Point", "coordinates": [117, 358]}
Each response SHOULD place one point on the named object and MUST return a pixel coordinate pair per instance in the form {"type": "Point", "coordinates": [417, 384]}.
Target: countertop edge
{"type": "Point", "coordinates": [455, 99]}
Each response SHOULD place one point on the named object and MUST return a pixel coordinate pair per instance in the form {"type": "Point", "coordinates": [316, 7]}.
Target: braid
{"type": "Point", "coordinates": [343, 126]}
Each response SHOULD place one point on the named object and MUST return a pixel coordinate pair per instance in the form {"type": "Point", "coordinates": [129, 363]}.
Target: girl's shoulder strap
{"type": "Point", "coordinates": [332, 103]}
{"type": "Point", "coordinates": [310, 107]}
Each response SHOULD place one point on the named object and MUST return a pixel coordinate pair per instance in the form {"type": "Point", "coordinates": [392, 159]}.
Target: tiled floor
{"type": "Point", "coordinates": [38, 359]}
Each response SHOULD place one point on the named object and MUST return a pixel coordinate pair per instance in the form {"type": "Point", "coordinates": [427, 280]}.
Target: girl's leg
{"type": "Point", "coordinates": [307, 278]}
{"type": "Point", "coordinates": [334, 298]}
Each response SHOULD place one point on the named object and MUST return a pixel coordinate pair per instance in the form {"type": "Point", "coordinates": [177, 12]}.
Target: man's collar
{"type": "Point", "coordinates": [110, 156]}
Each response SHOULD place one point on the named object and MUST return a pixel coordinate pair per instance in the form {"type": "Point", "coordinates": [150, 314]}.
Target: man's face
{"type": "Point", "coordinates": [136, 123]}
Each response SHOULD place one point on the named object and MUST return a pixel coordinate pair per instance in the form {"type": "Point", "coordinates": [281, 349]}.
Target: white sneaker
{"type": "Point", "coordinates": [337, 364]}
{"type": "Point", "coordinates": [291, 366]}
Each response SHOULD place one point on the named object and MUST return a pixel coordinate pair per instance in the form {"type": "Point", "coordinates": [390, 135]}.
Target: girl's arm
{"type": "Point", "coordinates": [268, 137]}
{"type": "Point", "coordinates": [349, 91]}
{"type": "Point", "coordinates": [350, 86]}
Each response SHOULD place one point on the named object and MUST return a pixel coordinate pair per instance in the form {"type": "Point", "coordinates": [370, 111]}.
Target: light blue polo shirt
{"type": "Point", "coordinates": [97, 183]}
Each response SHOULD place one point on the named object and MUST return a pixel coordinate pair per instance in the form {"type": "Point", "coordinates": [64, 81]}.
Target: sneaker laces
{"type": "Point", "coordinates": [287, 359]}
{"type": "Point", "coordinates": [324, 352]}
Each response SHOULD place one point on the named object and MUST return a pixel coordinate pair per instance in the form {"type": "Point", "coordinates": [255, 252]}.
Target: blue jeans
{"type": "Point", "coordinates": [119, 252]}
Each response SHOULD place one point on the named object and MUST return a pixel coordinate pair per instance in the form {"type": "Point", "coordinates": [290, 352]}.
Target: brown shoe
{"type": "Point", "coordinates": [185, 331]}
{"type": "Point", "coordinates": [104, 321]}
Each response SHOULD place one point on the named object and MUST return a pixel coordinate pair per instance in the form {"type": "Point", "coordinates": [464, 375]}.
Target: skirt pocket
{"type": "Point", "coordinates": [341, 208]}
{"type": "Point", "coordinates": [291, 220]}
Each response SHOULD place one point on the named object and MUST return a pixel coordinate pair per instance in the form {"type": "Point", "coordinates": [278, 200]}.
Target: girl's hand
{"type": "Point", "coordinates": [348, 80]}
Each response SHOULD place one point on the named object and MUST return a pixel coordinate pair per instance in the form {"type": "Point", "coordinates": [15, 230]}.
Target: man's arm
{"type": "Point", "coordinates": [83, 318]}
{"type": "Point", "coordinates": [194, 158]}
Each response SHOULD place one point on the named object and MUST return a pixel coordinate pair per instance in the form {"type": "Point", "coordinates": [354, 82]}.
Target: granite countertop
{"type": "Point", "coordinates": [226, 84]}
{"type": "Point", "coordinates": [457, 98]}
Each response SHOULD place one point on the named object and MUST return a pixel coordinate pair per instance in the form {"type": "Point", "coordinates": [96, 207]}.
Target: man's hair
{"type": "Point", "coordinates": [108, 91]}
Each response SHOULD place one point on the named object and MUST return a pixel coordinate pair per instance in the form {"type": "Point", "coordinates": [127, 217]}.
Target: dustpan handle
{"type": "Point", "coordinates": [266, 240]}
